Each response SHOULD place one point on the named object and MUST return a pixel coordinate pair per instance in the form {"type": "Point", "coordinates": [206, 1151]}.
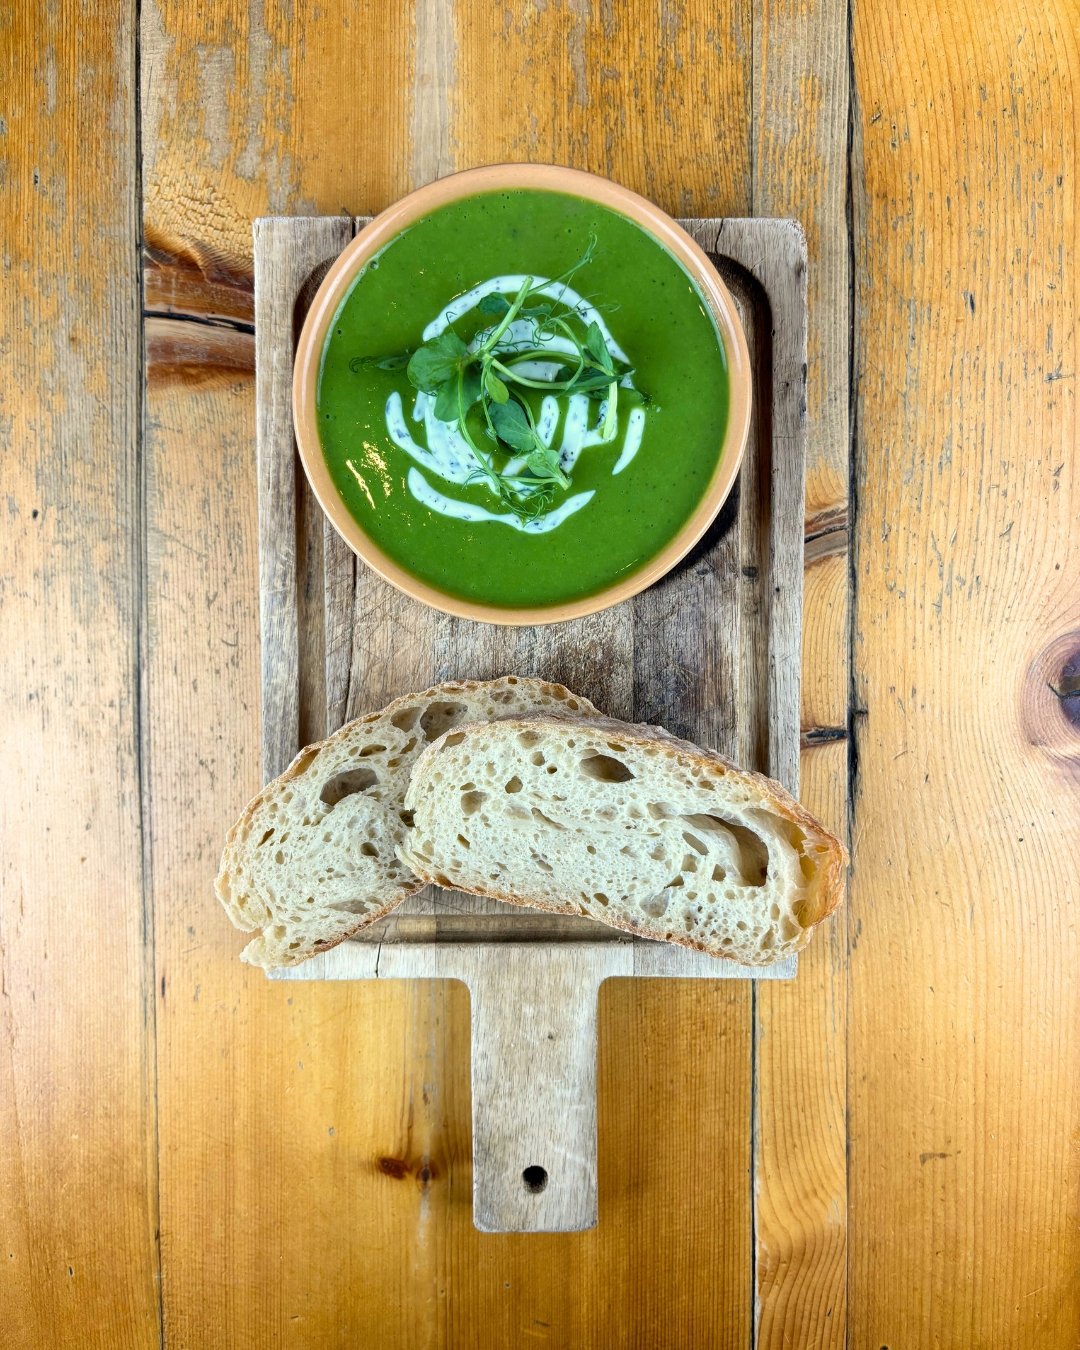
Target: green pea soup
{"type": "Point", "coordinates": [653, 311]}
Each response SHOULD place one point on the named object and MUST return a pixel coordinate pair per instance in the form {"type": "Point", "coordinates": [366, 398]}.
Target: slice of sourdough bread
{"type": "Point", "coordinates": [623, 824]}
{"type": "Point", "coordinates": [312, 860]}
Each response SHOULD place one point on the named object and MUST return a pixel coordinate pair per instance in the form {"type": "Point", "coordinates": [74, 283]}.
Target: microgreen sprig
{"type": "Point", "coordinates": [459, 377]}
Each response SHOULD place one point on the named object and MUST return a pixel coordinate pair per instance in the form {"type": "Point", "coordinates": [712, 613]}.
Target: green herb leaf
{"type": "Point", "coordinates": [597, 347]}
{"type": "Point", "coordinates": [495, 304]}
{"type": "Point", "coordinates": [446, 400]}
{"type": "Point", "coordinates": [494, 387]}
{"type": "Point", "coordinates": [436, 361]}
{"type": "Point", "coordinates": [544, 464]}
{"type": "Point", "coordinates": [458, 394]}
{"type": "Point", "coordinates": [512, 426]}
{"type": "Point", "coordinates": [472, 385]}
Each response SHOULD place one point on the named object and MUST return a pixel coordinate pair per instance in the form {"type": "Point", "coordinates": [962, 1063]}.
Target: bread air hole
{"type": "Point", "coordinates": [456, 739]}
{"type": "Point", "coordinates": [751, 850]}
{"type": "Point", "coordinates": [537, 758]}
{"type": "Point", "coordinates": [405, 718]}
{"type": "Point", "coordinates": [439, 717]}
{"type": "Point", "coordinates": [546, 820]}
{"type": "Point", "coordinates": [471, 802]}
{"type": "Point", "coordinates": [371, 750]}
{"type": "Point", "coordinates": [347, 784]}
{"type": "Point", "coordinates": [463, 841]}
{"type": "Point", "coordinates": [527, 739]}
{"type": "Point", "coordinates": [350, 906]}
{"type": "Point", "coordinates": [513, 784]}
{"type": "Point", "coordinates": [656, 906]}
{"type": "Point", "coordinates": [368, 850]}
{"type": "Point", "coordinates": [542, 863]}
{"type": "Point", "coordinates": [605, 769]}
{"type": "Point", "coordinates": [695, 843]}
{"type": "Point", "coordinates": [406, 818]}
{"type": "Point", "coordinates": [302, 760]}
{"type": "Point", "coordinates": [266, 837]}
{"type": "Point", "coordinates": [600, 898]}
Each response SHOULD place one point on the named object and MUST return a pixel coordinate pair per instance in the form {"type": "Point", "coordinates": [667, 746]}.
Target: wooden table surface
{"type": "Point", "coordinates": [886, 1153]}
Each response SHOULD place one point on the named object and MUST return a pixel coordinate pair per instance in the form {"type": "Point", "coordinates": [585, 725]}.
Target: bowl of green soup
{"type": "Point", "coordinates": [521, 394]}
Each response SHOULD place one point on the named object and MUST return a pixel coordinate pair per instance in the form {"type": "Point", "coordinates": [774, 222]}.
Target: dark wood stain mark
{"type": "Point", "coordinates": [1050, 698]}
{"type": "Point", "coordinates": [924, 1158]}
{"type": "Point", "coordinates": [812, 736]}
{"type": "Point", "coordinates": [397, 1168]}
{"type": "Point", "coordinates": [196, 354]}
{"type": "Point", "coordinates": [188, 277]}
{"type": "Point", "coordinates": [825, 535]}
{"type": "Point", "coordinates": [1066, 689]}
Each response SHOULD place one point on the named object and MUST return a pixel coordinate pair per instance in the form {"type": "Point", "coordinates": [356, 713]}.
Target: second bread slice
{"type": "Point", "coordinates": [312, 859]}
{"type": "Point", "coordinates": [626, 825]}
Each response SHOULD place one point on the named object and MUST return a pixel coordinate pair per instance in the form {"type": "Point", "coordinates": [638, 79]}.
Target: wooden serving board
{"type": "Point", "coordinates": [712, 652]}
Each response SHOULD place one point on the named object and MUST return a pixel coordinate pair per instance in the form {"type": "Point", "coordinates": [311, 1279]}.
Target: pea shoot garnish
{"type": "Point", "coordinates": [536, 343]}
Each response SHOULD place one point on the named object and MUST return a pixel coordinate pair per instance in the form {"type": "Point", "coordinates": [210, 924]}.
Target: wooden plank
{"type": "Point", "coordinates": [77, 1167]}
{"type": "Point", "coordinates": [295, 1206]}
{"type": "Point", "coordinates": [964, 1083]}
{"type": "Point", "coordinates": [800, 91]}
{"type": "Point", "coordinates": [289, 253]}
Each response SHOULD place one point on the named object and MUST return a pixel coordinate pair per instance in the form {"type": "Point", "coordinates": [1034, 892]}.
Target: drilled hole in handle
{"type": "Point", "coordinates": [535, 1179]}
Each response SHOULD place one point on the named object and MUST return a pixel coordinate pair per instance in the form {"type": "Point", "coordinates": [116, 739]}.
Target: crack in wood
{"type": "Point", "coordinates": [812, 736]}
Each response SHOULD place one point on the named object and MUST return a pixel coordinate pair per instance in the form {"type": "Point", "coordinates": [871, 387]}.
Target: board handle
{"type": "Point", "coordinates": [534, 1088]}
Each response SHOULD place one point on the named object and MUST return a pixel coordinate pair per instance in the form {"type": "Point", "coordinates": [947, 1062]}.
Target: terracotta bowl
{"type": "Point", "coordinates": [493, 179]}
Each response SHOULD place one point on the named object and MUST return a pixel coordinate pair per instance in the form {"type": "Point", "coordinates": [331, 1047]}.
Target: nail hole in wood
{"type": "Point", "coordinates": [535, 1179]}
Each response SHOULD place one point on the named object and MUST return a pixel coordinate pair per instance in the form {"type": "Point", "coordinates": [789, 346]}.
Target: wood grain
{"type": "Point", "coordinates": [800, 91]}
{"type": "Point", "coordinates": [78, 1260]}
{"type": "Point", "coordinates": [330, 1202]}
{"type": "Point", "coordinates": [965, 1002]}
{"type": "Point", "coordinates": [293, 1145]}
{"type": "Point", "coordinates": [290, 257]}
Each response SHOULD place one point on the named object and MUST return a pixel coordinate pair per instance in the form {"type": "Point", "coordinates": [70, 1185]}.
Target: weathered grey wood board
{"type": "Point", "coordinates": [712, 652]}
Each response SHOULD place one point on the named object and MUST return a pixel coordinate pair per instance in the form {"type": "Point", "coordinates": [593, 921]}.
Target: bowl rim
{"type": "Point", "coordinates": [474, 182]}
